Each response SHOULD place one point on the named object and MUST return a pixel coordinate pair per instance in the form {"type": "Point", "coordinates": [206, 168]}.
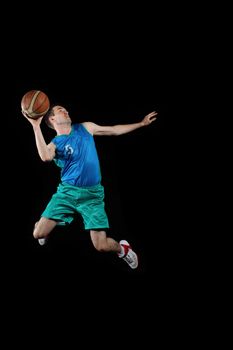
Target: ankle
{"type": "Point", "coordinates": [122, 252]}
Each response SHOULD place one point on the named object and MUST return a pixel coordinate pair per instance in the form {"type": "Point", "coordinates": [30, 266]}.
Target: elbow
{"type": "Point", "coordinates": [115, 132]}
{"type": "Point", "coordinates": [45, 159]}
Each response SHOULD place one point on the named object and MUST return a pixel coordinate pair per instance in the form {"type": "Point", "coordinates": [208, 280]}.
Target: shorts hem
{"type": "Point", "coordinates": [59, 221]}
{"type": "Point", "coordinates": [97, 228]}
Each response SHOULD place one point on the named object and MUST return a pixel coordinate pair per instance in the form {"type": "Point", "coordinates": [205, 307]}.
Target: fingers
{"type": "Point", "coordinates": [152, 119]}
{"type": "Point", "coordinates": [152, 116]}
{"type": "Point", "coordinates": [24, 113]}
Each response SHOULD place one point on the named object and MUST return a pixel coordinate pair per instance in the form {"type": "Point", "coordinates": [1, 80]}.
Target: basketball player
{"type": "Point", "coordinates": [80, 190]}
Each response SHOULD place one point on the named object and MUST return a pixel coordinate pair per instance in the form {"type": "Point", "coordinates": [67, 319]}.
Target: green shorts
{"type": "Point", "coordinates": [70, 200]}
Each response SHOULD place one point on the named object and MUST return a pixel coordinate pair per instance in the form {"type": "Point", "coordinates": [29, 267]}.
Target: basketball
{"type": "Point", "coordinates": [35, 103]}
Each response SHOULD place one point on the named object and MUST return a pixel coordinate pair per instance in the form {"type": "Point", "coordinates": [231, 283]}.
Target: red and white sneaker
{"type": "Point", "coordinates": [130, 256]}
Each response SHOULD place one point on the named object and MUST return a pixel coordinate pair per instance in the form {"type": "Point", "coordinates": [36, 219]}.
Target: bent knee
{"type": "Point", "coordinates": [36, 232]}
{"type": "Point", "coordinates": [43, 227]}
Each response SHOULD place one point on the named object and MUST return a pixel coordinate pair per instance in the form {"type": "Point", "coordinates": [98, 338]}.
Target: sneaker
{"type": "Point", "coordinates": [130, 256]}
{"type": "Point", "coordinates": [42, 241]}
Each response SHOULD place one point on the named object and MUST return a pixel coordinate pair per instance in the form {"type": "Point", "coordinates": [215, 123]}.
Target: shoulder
{"type": "Point", "coordinates": [77, 127]}
{"type": "Point", "coordinates": [89, 126]}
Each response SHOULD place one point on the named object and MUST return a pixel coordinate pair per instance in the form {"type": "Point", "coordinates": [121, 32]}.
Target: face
{"type": "Point", "coordinates": [61, 116]}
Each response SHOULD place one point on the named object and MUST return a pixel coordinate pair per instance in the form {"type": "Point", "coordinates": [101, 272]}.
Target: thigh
{"type": "Point", "coordinates": [61, 208]}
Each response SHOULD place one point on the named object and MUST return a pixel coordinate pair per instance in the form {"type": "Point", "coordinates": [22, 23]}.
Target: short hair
{"type": "Point", "coordinates": [49, 114]}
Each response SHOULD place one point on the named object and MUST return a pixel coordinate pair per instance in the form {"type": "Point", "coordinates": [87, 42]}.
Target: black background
{"type": "Point", "coordinates": [111, 73]}
{"type": "Point", "coordinates": [135, 167]}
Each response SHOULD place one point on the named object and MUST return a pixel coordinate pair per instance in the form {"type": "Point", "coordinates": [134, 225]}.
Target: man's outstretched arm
{"type": "Point", "coordinates": [116, 130]}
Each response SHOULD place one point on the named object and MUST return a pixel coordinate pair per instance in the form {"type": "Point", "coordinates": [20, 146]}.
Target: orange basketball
{"type": "Point", "coordinates": [35, 103]}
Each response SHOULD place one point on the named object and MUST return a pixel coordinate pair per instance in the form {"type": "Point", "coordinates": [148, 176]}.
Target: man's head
{"type": "Point", "coordinates": [57, 116]}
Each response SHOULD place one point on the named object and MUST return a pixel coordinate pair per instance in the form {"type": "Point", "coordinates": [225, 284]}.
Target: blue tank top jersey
{"type": "Point", "coordinates": [77, 157]}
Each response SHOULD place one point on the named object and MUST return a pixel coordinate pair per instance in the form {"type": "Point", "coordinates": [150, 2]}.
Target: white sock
{"type": "Point", "coordinates": [122, 252]}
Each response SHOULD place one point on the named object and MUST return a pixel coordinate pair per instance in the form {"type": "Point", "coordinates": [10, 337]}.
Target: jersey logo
{"type": "Point", "coordinates": [68, 150]}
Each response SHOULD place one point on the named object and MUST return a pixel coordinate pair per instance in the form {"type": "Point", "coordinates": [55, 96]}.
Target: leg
{"type": "Point", "coordinates": [106, 244]}
{"type": "Point", "coordinates": [103, 243]}
{"type": "Point", "coordinates": [43, 228]}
